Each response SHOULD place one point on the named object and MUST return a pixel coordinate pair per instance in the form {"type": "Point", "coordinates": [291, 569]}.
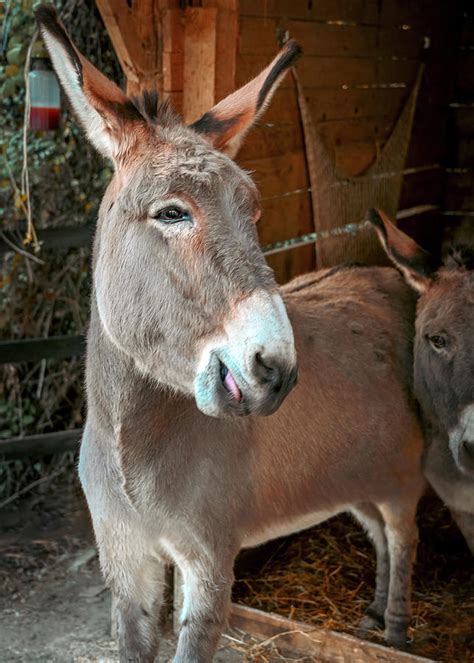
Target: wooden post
{"type": "Point", "coordinates": [135, 32]}
{"type": "Point", "coordinates": [188, 55]}
{"type": "Point", "coordinates": [209, 55]}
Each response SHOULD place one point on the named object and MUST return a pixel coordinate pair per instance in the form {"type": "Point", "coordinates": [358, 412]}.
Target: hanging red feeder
{"type": "Point", "coordinates": [45, 97]}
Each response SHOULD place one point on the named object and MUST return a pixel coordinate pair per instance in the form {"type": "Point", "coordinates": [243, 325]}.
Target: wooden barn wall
{"type": "Point", "coordinates": [360, 61]}
{"type": "Point", "coordinates": [459, 202]}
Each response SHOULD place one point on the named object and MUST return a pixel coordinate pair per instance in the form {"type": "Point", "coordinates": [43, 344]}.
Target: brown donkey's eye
{"type": "Point", "coordinates": [172, 215]}
{"type": "Point", "coordinates": [438, 341]}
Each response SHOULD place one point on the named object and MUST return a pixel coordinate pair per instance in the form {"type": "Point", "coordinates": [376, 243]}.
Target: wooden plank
{"type": "Point", "coordinates": [226, 51]}
{"type": "Point", "coordinates": [270, 141]}
{"type": "Point", "coordinates": [173, 72]}
{"type": "Point", "coordinates": [292, 262]}
{"type": "Point", "coordinates": [317, 71]}
{"type": "Point", "coordinates": [35, 349]}
{"type": "Point", "coordinates": [277, 175]}
{"type": "Point", "coordinates": [173, 30]}
{"type": "Point", "coordinates": [40, 445]}
{"type": "Point", "coordinates": [67, 237]}
{"type": "Point", "coordinates": [259, 36]}
{"type": "Point", "coordinates": [337, 104]}
{"type": "Point", "coordinates": [200, 28]}
{"type": "Point", "coordinates": [323, 10]}
{"type": "Point", "coordinates": [134, 30]}
{"type": "Point", "coordinates": [305, 640]}
{"type": "Point", "coordinates": [285, 217]}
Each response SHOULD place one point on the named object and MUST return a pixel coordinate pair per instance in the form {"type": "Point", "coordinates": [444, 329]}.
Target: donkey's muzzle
{"type": "Point", "coordinates": [251, 366]}
{"type": "Point", "coordinates": [461, 441]}
{"type": "Point", "coordinates": [279, 381]}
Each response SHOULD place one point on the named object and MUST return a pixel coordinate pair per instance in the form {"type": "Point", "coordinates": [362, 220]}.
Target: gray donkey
{"type": "Point", "coordinates": [189, 334]}
{"type": "Point", "coordinates": [444, 364]}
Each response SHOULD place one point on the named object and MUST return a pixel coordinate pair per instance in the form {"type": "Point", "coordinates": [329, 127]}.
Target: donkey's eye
{"type": "Point", "coordinates": [438, 341]}
{"type": "Point", "coordinates": [172, 215]}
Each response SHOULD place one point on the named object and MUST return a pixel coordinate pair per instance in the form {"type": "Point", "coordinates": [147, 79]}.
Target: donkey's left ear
{"type": "Point", "coordinates": [416, 264]}
{"type": "Point", "coordinates": [99, 104]}
{"type": "Point", "coordinates": [226, 124]}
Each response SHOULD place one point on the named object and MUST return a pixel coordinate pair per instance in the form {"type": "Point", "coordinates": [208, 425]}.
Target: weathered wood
{"type": "Point", "coordinates": [226, 51]}
{"type": "Point", "coordinates": [279, 174]}
{"type": "Point", "coordinates": [292, 262]}
{"type": "Point", "coordinates": [40, 445]}
{"type": "Point", "coordinates": [258, 36]}
{"type": "Point", "coordinates": [302, 639]}
{"type": "Point", "coordinates": [329, 71]}
{"type": "Point", "coordinates": [134, 29]}
{"type": "Point", "coordinates": [210, 44]}
{"type": "Point", "coordinates": [200, 30]}
{"type": "Point", "coordinates": [323, 10]}
{"type": "Point", "coordinates": [285, 217]}
{"type": "Point", "coordinates": [35, 349]}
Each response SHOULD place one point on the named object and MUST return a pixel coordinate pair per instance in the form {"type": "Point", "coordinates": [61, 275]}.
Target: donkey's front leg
{"type": "Point", "coordinates": [207, 585]}
{"type": "Point", "coordinates": [402, 538]}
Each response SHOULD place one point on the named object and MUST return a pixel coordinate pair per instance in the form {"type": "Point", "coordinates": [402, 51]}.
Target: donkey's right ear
{"type": "Point", "coordinates": [416, 264]}
{"type": "Point", "coordinates": [98, 103]}
{"type": "Point", "coordinates": [226, 125]}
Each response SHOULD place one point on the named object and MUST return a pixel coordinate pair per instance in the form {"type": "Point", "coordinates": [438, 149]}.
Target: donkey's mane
{"type": "Point", "coordinates": [149, 107]}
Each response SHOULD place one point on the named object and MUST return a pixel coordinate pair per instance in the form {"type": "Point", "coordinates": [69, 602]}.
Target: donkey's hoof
{"type": "Point", "coordinates": [397, 639]}
{"type": "Point", "coordinates": [371, 621]}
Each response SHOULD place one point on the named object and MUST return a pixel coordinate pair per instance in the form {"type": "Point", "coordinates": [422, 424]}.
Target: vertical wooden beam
{"type": "Point", "coordinates": [135, 31]}
{"type": "Point", "coordinates": [200, 30]}
{"type": "Point", "coordinates": [188, 55]}
{"type": "Point", "coordinates": [209, 55]}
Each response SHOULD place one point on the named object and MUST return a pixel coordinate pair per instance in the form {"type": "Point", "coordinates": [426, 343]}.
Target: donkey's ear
{"type": "Point", "coordinates": [416, 264]}
{"type": "Point", "coordinates": [98, 103]}
{"type": "Point", "coordinates": [226, 124]}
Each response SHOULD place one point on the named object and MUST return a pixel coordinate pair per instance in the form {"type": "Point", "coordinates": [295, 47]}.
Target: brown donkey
{"type": "Point", "coordinates": [186, 322]}
{"type": "Point", "coordinates": [444, 364]}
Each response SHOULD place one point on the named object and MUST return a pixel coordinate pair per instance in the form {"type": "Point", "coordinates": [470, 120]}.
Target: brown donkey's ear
{"type": "Point", "coordinates": [99, 104]}
{"type": "Point", "coordinates": [226, 124]}
{"type": "Point", "coordinates": [416, 264]}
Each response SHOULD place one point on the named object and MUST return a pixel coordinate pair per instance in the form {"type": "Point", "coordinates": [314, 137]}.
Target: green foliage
{"type": "Point", "coordinates": [67, 177]}
{"type": "Point", "coordinates": [67, 180]}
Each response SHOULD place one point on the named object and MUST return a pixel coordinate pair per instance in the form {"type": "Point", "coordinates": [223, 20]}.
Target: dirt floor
{"type": "Point", "coordinates": [54, 607]}
{"type": "Point", "coordinates": [53, 604]}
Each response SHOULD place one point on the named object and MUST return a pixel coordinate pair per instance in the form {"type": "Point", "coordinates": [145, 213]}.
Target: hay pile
{"type": "Point", "coordinates": [325, 577]}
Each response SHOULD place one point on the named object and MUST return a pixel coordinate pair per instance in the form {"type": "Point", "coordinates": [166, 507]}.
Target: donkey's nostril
{"type": "Point", "coordinates": [270, 371]}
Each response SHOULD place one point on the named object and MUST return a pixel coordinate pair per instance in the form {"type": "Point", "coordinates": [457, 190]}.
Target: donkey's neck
{"type": "Point", "coordinates": [117, 391]}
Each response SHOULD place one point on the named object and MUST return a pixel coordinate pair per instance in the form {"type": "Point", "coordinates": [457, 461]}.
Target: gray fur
{"type": "Point", "coordinates": [444, 383]}
{"type": "Point", "coordinates": [162, 479]}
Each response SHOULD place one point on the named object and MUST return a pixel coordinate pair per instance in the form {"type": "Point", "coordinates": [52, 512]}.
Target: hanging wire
{"type": "Point", "coordinates": [31, 236]}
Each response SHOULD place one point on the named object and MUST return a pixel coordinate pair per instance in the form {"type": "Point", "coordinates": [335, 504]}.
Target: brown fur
{"type": "Point", "coordinates": [174, 306]}
{"type": "Point", "coordinates": [444, 383]}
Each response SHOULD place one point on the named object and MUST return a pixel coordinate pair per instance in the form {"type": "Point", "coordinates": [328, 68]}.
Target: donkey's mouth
{"type": "Point", "coordinates": [229, 382]}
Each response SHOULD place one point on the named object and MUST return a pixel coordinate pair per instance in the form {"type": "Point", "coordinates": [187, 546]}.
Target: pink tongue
{"type": "Point", "coordinates": [231, 386]}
